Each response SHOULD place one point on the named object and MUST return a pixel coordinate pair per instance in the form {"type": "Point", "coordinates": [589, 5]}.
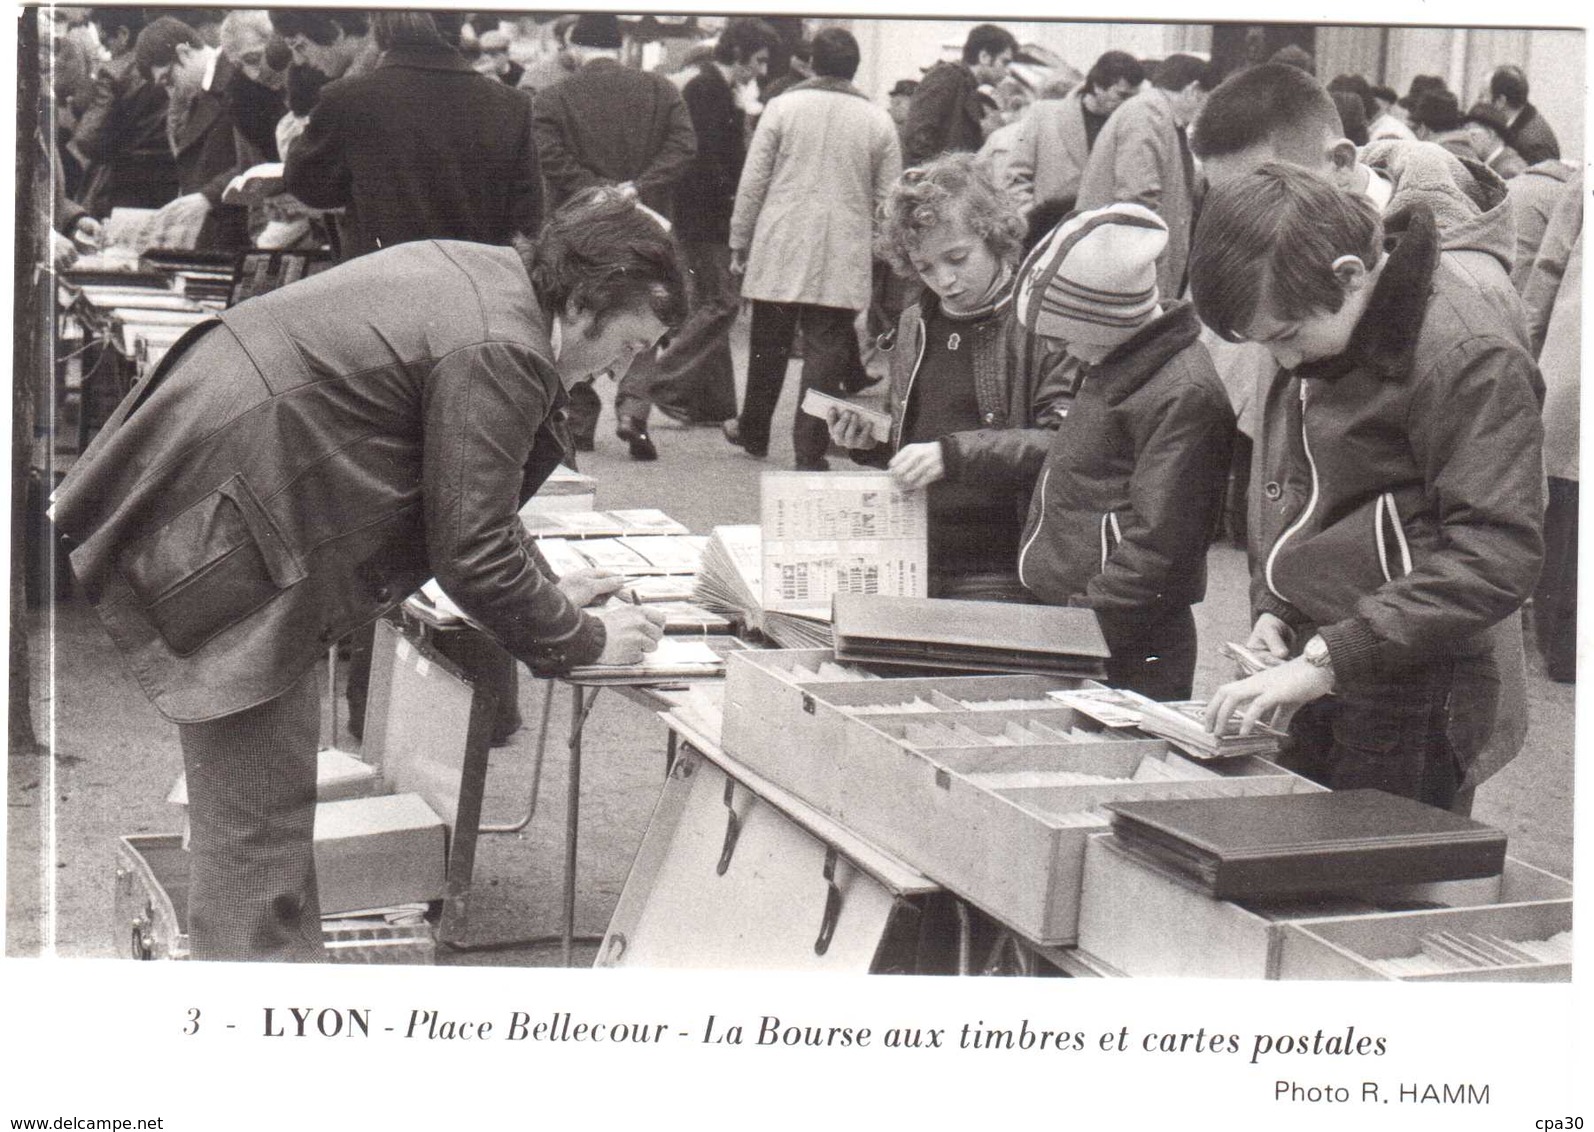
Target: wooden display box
{"type": "Point", "coordinates": [1347, 948]}
{"type": "Point", "coordinates": [1003, 826]}
{"type": "Point", "coordinates": [1146, 920]}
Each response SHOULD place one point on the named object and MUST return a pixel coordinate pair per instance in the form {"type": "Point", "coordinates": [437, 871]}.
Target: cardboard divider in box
{"type": "Point", "coordinates": [1372, 947]}
{"type": "Point", "coordinates": [998, 811]}
{"type": "Point", "coordinates": [1146, 920]}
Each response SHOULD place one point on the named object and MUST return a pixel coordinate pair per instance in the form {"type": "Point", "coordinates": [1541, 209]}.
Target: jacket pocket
{"type": "Point", "coordinates": [1111, 536]}
{"type": "Point", "coordinates": [209, 567]}
{"type": "Point", "coordinates": [1325, 574]}
{"type": "Point", "coordinates": [1394, 552]}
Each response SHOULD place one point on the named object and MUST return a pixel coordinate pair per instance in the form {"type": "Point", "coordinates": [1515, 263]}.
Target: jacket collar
{"type": "Point", "coordinates": [438, 58]}
{"type": "Point", "coordinates": [1386, 336]}
{"type": "Point", "coordinates": [1133, 363]}
{"type": "Point", "coordinates": [835, 86]}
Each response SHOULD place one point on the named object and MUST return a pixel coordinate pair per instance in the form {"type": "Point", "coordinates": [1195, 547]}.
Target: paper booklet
{"type": "Point", "coordinates": [255, 185]}
{"type": "Point", "coordinates": [599, 524]}
{"type": "Point", "coordinates": [675, 656]}
{"type": "Point", "coordinates": [826, 533]}
{"type": "Point", "coordinates": [817, 404]}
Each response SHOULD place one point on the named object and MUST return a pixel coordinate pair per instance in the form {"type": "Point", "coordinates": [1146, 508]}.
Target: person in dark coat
{"type": "Point", "coordinates": [299, 464]}
{"type": "Point", "coordinates": [1526, 130]}
{"type": "Point", "coordinates": [256, 96]}
{"type": "Point", "coordinates": [944, 114]}
{"type": "Point", "coordinates": [421, 148]}
{"type": "Point", "coordinates": [608, 124]}
{"type": "Point", "coordinates": [121, 135]}
{"type": "Point", "coordinates": [697, 379]}
{"type": "Point", "coordinates": [197, 78]}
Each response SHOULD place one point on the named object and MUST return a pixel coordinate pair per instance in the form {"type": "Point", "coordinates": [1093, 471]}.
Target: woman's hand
{"type": "Point", "coordinates": [918, 465]}
{"type": "Point", "coordinates": [850, 429]}
{"type": "Point", "coordinates": [1274, 693]}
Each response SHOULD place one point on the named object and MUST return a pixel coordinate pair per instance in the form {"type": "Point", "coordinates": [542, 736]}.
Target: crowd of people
{"type": "Point", "coordinates": [1100, 304]}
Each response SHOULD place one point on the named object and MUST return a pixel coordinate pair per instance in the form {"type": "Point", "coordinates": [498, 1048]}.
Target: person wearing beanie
{"type": "Point", "coordinates": [973, 398]}
{"type": "Point", "coordinates": [198, 80]}
{"type": "Point", "coordinates": [609, 124]}
{"type": "Point", "coordinates": [1486, 126]}
{"type": "Point", "coordinates": [1399, 449]}
{"type": "Point", "coordinates": [1133, 485]}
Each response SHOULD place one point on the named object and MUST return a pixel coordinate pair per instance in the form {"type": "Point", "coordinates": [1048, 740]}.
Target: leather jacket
{"type": "Point", "coordinates": [297, 467]}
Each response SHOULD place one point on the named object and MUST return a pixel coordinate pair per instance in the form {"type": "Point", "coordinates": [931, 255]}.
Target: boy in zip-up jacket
{"type": "Point", "coordinates": [973, 397]}
{"type": "Point", "coordinates": [1402, 499]}
{"type": "Point", "coordinates": [1134, 481]}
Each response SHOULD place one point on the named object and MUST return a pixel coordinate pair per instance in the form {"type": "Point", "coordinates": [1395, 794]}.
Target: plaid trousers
{"type": "Point", "coordinates": [251, 813]}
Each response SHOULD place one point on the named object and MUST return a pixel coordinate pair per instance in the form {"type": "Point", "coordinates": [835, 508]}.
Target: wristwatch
{"type": "Point", "coordinates": [1316, 654]}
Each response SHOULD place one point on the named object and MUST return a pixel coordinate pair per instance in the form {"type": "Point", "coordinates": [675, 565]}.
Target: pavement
{"type": "Point", "coordinates": [109, 760]}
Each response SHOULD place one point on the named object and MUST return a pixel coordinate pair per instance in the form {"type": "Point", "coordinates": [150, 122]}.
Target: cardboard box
{"type": "Point", "coordinates": [378, 852]}
{"type": "Point", "coordinates": [1148, 921]}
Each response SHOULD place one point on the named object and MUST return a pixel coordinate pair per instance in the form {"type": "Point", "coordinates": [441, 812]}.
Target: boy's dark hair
{"type": "Point", "coordinates": [835, 54]}
{"type": "Point", "coordinates": [107, 20]}
{"type": "Point", "coordinates": [1255, 105]}
{"type": "Point", "coordinates": [1113, 68]}
{"type": "Point", "coordinates": [1352, 116]}
{"type": "Point", "coordinates": [1271, 237]}
{"type": "Point", "coordinates": [1178, 71]}
{"type": "Point", "coordinates": [405, 28]}
{"type": "Point", "coordinates": [1355, 84]}
{"type": "Point", "coordinates": [742, 38]}
{"type": "Point", "coordinates": [988, 38]}
{"type": "Point", "coordinates": [1420, 86]}
{"type": "Point", "coordinates": [1385, 94]}
{"type": "Point", "coordinates": [320, 25]}
{"type": "Point", "coordinates": [1509, 82]}
{"type": "Point", "coordinates": [156, 45]}
{"type": "Point", "coordinates": [599, 252]}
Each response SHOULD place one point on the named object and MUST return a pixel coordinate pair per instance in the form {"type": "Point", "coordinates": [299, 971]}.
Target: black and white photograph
{"type": "Point", "coordinates": [664, 518]}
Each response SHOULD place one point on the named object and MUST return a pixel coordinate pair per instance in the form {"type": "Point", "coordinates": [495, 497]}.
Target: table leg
{"type": "Point", "coordinates": [580, 705]}
{"type": "Point", "coordinates": [536, 767]}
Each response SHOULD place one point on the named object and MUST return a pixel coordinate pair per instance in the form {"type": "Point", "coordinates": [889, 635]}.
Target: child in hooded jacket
{"type": "Point", "coordinates": [1133, 484]}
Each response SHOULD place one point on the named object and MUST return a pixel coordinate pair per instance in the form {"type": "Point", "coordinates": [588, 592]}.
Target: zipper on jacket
{"type": "Point", "coordinates": [1039, 523]}
{"type": "Point", "coordinates": [913, 375]}
{"type": "Point", "coordinates": [1311, 504]}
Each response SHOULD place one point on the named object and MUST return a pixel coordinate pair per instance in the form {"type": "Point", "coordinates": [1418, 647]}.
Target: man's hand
{"type": "Point", "coordinates": [630, 631]}
{"type": "Point", "coordinates": [1274, 694]}
{"type": "Point", "coordinates": [63, 252]}
{"type": "Point", "coordinates": [917, 465]}
{"type": "Point", "coordinates": [87, 234]}
{"type": "Point", "coordinates": [850, 429]}
{"type": "Point", "coordinates": [586, 586]}
{"type": "Point", "coordinates": [1271, 636]}
{"type": "Point", "coordinates": [738, 261]}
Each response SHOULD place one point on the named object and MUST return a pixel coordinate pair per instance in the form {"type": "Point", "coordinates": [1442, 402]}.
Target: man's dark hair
{"type": "Point", "coordinates": [988, 38]}
{"type": "Point", "coordinates": [406, 28]}
{"type": "Point", "coordinates": [1112, 68]}
{"type": "Point", "coordinates": [599, 252]}
{"type": "Point", "coordinates": [1178, 71]}
{"type": "Point", "coordinates": [107, 20]}
{"type": "Point", "coordinates": [1355, 84]}
{"type": "Point", "coordinates": [743, 38]}
{"type": "Point", "coordinates": [1251, 107]}
{"type": "Point", "coordinates": [835, 54]}
{"type": "Point", "coordinates": [156, 45]}
{"type": "Point", "coordinates": [320, 25]}
{"type": "Point", "coordinates": [1509, 82]}
{"type": "Point", "coordinates": [1271, 237]}
{"type": "Point", "coordinates": [1420, 86]}
{"type": "Point", "coordinates": [196, 17]}
{"type": "Point", "coordinates": [1352, 115]}
{"type": "Point", "coordinates": [1437, 110]}
{"type": "Point", "coordinates": [1294, 55]}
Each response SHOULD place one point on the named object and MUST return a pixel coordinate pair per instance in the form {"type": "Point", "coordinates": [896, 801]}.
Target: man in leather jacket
{"type": "Point", "coordinates": [297, 466]}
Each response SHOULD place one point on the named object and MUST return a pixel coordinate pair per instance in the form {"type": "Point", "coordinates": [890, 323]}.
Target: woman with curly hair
{"type": "Point", "coordinates": [973, 397]}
